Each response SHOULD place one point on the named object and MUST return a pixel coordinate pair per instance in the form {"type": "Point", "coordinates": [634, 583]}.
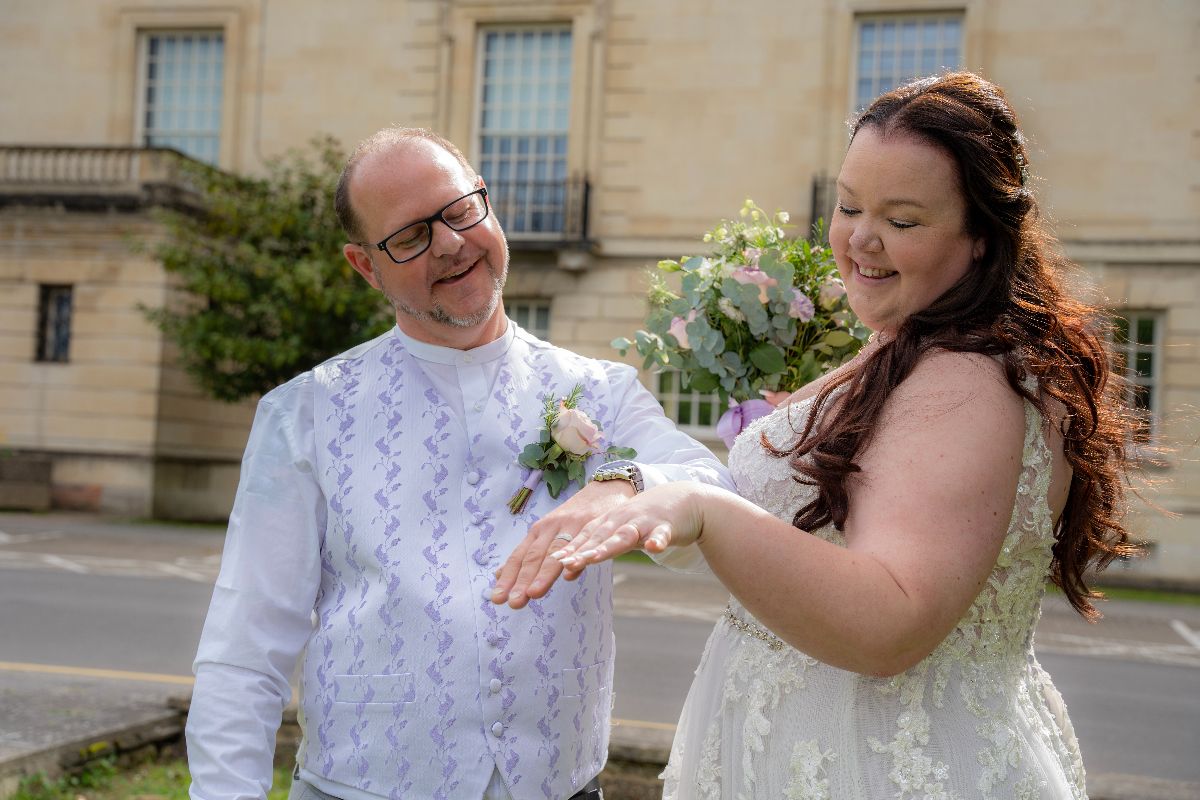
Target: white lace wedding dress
{"type": "Point", "coordinates": [977, 719]}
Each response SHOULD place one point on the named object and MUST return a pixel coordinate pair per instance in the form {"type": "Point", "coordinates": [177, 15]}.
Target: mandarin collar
{"type": "Point", "coordinates": [437, 354]}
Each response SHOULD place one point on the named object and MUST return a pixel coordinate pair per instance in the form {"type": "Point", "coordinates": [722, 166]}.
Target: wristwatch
{"type": "Point", "coordinates": [621, 471]}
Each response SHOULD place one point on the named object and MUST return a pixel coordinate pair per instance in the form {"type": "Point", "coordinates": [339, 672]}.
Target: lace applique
{"type": "Point", "coordinates": [915, 774]}
{"type": "Point", "coordinates": [808, 779]}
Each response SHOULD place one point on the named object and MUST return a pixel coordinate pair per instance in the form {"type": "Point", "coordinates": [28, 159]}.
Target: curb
{"type": "Point", "coordinates": [128, 744]}
{"type": "Point", "coordinates": [636, 757]}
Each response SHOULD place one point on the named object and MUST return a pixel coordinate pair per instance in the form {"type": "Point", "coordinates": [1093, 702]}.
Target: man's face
{"type": "Point", "coordinates": [450, 294]}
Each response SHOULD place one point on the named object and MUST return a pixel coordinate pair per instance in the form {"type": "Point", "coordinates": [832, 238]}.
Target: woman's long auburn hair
{"type": "Point", "coordinates": [1011, 305]}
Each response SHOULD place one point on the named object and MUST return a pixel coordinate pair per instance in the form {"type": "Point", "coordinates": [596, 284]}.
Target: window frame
{"type": "Point", "coordinates": [141, 134]}
{"type": "Point", "coordinates": [52, 347]}
{"type": "Point", "coordinates": [1127, 351]}
{"type": "Point", "coordinates": [670, 401]}
{"type": "Point", "coordinates": [514, 306]}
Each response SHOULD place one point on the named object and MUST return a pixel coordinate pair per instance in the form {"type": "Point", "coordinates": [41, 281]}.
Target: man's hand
{"type": "Point", "coordinates": [529, 572]}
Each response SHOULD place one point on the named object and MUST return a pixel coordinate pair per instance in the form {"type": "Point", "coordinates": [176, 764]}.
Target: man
{"type": "Point", "coordinates": [372, 515]}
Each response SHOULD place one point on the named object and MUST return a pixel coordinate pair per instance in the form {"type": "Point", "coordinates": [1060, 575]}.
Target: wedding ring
{"type": "Point", "coordinates": [566, 537]}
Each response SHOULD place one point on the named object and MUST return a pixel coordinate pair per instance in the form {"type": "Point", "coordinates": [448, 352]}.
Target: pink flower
{"type": "Point", "coordinates": [574, 432]}
{"type": "Point", "coordinates": [678, 329]}
{"type": "Point", "coordinates": [801, 307]}
{"type": "Point", "coordinates": [752, 255]}
{"type": "Point", "coordinates": [752, 274]}
{"type": "Point", "coordinates": [831, 291]}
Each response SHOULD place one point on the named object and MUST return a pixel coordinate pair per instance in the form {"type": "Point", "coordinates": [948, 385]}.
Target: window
{"type": "Point", "coordinates": [697, 413]}
{"type": "Point", "coordinates": [523, 118]}
{"type": "Point", "coordinates": [54, 323]}
{"type": "Point", "coordinates": [1137, 342]}
{"type": "Point", "coordinates": [532, 315]}
{"type": "Point", "coordinates": [183, 74]}
{"type": "Point", "coordinates": [893, 50]}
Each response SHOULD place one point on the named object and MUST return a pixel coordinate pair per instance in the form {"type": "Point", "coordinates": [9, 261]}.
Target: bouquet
{"type": "Point", "coordinates": [761, 311]}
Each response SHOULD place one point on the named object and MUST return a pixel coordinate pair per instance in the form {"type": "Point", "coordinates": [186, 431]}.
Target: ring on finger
{"type": "Point", "coordinates": [563, 537]}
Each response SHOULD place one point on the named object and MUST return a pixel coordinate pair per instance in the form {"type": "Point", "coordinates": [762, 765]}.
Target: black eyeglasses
{"type": "Point", "coordinates": [413, 239]}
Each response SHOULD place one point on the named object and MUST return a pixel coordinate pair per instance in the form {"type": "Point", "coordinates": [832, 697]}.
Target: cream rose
{"type": "Point", "coordinates": [574, 432]}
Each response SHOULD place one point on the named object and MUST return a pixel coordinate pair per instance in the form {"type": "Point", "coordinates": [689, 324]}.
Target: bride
{"type": "Point", "coordinates": [972, 451]}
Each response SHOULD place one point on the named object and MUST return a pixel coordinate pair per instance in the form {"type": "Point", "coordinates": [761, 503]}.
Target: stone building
{"type": "Point", "coordinates": [612, 133]}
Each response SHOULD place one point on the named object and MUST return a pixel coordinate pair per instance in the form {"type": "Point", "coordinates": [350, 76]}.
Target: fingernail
{"type": "Point", "coordinates": [516, 596]}
{"type": "Point", "coordinates": [498, 596]}
{"type": "Point", "coordinates": [559, 554]}
{"type": "Point", "coordinates": [586, 554]}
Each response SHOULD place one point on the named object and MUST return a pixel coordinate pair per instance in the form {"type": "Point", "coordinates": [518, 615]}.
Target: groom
{"type": "Point", "coordinates": [371, 516]}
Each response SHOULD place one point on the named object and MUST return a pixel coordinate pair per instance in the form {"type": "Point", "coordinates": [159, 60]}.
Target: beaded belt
{"type": "Point", "coordinates": [751, 629]}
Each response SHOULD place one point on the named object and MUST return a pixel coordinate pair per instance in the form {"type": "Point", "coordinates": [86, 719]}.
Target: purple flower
{"type": "Point", "coordinates": [739, 416]}
{"type": "Point", "coordinates": [801, 307]}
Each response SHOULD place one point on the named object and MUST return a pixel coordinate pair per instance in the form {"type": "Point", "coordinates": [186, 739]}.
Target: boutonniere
{"type": "Point", "coordinates": [564, 445]}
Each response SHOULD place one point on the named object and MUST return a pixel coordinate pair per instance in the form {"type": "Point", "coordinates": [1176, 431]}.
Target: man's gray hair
{"type": "Point", "coordinates": [383, 140]}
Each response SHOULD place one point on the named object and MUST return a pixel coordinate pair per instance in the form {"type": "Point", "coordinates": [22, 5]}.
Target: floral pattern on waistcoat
{"type": "Point", "coordinates": [342, 410]}
{"type": "Point", "coordinates": [438, 579]}
{"type": "Point", "coordinates": [504, 393]}
{"type": "Point", "coordinates": [392, 521]}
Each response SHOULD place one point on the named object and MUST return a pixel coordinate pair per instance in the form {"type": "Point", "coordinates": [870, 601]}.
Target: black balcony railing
{"type": "Point", "coordinates": [552, 213]}
{"type": "Point", "coordinates": [93, 176]}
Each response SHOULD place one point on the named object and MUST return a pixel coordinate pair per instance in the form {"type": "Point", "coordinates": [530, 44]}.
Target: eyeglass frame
{"type": "Point", "coordinates": [428, 222]}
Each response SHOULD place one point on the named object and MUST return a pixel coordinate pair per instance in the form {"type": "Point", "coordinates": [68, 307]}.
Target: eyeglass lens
{"type": "Point", "coordinates": [463, 213]}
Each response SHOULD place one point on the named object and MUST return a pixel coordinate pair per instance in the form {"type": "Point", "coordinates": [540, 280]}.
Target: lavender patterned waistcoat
{"type": "Point", "coordinates": [414, 683]}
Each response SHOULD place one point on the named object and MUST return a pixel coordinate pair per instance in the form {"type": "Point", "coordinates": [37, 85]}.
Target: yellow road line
{"type": "Point", "coordinates": [89, 672]}
{"type": "Point", "coordinates": [637, 723]}
{"type": "Point", "coordinates": [155, 677]}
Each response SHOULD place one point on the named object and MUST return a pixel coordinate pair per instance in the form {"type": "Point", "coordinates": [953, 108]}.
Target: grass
{"type": "Point", "coordinates": [103, 780]}
{"type": "Point", "coordinates": [1139, 595]}
{"type": "Point", "coordinates": [1150, 595]}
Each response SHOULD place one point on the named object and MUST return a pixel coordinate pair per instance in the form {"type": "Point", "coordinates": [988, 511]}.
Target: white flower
{"type": "Point", "coordinates": [728, 309]}
{"type": "Point", "coordinates": [574, 432]}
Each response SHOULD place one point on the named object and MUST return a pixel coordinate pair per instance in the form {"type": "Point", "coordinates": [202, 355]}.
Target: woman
{"type": "Point", "coordinates": [974, 449]}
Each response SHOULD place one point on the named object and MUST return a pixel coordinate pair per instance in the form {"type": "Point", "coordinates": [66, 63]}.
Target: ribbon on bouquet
{"type": "Point", "coordinates": [738, 418]}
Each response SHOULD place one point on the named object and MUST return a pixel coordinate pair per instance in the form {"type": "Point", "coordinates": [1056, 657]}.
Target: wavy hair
{"type": "Point", "coordinates": [1011, 305]}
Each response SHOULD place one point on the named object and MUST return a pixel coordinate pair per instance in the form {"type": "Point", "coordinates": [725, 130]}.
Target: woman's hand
{"type": "Point", "coordinates": [670, 515]}
{"type": "Point", "coordinates": [528, 573]}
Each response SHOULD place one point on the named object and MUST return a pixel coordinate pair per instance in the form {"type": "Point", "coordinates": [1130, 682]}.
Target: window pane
{"type": "Point", "coordinates": [527, 118]}
{"type": "Point", "coordinates": [182, 92]}
{"type": "Point", "coordinates": [54, 322]}
{"type": "Point", "coordinates": [532, 315]}
{"type": "Point", "coordinates": [893, 50]}
{"type": "Point", "coordinates": [1145, 364]}
{"type": "Point", "coordinates": [1145, 330]}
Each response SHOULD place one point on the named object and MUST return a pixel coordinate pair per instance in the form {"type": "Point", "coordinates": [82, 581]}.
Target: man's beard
{"type": "Point", "coordinates": [439, 315]}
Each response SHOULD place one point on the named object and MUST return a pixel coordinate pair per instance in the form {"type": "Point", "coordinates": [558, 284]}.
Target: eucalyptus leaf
{"type": "Point", "coordinates": [768, 358]}
{"type": "Point", "coordinates": [838, 338]}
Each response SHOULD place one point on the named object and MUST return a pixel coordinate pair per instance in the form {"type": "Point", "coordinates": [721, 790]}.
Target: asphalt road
{"type": "Point", "coordinates": [119, 610]}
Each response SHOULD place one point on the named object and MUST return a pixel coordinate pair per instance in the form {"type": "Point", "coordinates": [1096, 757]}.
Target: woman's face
{"type": "Point", "coordinates": [899, 230]}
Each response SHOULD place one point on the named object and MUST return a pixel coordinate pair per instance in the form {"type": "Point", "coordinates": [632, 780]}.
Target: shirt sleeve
{"type": "Point", "coordinates": [664, 453]}
{"type": "Point", "coordinates": [261, 611]}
